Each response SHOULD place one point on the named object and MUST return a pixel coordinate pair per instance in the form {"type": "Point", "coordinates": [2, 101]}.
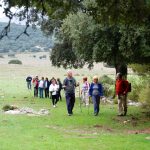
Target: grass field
{"type": "Point", "coordinates": [57, 131]}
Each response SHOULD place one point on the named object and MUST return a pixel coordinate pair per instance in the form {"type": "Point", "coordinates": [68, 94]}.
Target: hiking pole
{"type": "Point", "coordinates": [80, 99]}
{"type": "Point", "coordinates": [89, 105]}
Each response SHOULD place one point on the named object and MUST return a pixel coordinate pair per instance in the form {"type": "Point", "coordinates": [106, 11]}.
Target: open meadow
{"type": "Point", "coordinates": [57, 130]}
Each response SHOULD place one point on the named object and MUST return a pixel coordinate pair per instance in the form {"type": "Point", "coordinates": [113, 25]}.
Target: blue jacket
{"type": "Point", "coordinates": [48, 84]}
{"type": "Point", "coordinates": [100, 89]}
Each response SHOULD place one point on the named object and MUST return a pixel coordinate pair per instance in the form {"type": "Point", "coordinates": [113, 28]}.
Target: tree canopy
{"type": "Point", "coordinates": [113, 31]}
{"type": "Point", "coordinates": [97, 35]}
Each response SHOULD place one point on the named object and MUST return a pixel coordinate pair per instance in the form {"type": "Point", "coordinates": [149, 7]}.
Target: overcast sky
{"type": "Point", "coordinates": [3, 18]}
{"type": "Point", "coordinates": [2, 15]}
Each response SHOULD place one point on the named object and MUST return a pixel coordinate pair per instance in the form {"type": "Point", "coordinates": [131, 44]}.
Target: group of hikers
{"type": "Point", "coordinates": [94, 90]}
{"type": "Point", "coordinates": [46, 88]}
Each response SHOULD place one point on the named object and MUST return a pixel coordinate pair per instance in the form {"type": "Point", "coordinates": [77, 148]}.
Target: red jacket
{"type": "Point", "coordinates": [121, 86]}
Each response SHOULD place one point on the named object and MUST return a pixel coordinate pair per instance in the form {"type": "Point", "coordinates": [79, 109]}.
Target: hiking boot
{"type": "Point", "coordinates": [69, 114]}
{"type": "Point", "coordinates": [120, 115]}
{"type": "Point", "coordinates": [95, 114]}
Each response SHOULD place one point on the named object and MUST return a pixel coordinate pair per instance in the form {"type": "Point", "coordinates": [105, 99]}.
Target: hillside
{"type": "Point", "coordinates": [35, 42]}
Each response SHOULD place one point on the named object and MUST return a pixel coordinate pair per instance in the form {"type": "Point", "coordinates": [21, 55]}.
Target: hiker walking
{"type": "Point", "coordinates": [96, 91]}
{"type": "Point", "coordinates": [85, 91]}
{"type": "Point", "coordinates": [69, 85]}
{"type": "Point", "coordinates": [41, 87]}
{"type": "Point", "coordinates": [121, 89]}
{"type": "Point", "coordinates": [46, 87]}
{"type": "Point", "coordinates": [53, 89]}
{"type": "Point", "coordinates": [50, 82]}
{"type": "Point", "coordinates": [60, 88]}
{"type": "Point", "coordinates": [29, 80]}
{"type": "Point", "coordinates": [35, 83]}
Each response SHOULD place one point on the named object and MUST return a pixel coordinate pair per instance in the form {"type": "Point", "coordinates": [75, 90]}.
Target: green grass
{"type": "Point", "coordinates": [57, 131]}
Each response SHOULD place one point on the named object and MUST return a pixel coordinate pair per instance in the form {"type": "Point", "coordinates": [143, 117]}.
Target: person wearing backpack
{"type": "Point", "coordinates": [69, 85]}
{"type": "Point", "coordinates": [121, 88]}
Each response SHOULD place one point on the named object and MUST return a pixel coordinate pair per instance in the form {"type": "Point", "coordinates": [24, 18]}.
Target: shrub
{"type": "Point", "coordinates": [9, 107]}
{"type": "Point", "coordinates": [43, 56]}
{"type": "Point", "coordinates": [107, 80]}
{"type": "Point", "coordinates": [108, 89]}
{"type": "Point", "coordinates": [11, 55]}
{"type": "Point", "coordinates": [1, 56]}
{"type": "Point", "coordinates": [15, 61]}
{"type": "Point", "coordinates": [140, 68]}
{"type": "Point", "coordinates": [115, 101]}
{"type": "Point", "coordinates": [108, 85]}
{"type": "Point", "coordinates": [144, 96]}
{"type": "Point", "coordinates": [138, 83]}
{"type": "Point", "coordinates": [134, 94]}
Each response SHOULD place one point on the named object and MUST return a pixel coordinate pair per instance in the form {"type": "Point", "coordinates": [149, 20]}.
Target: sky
{"type": "Point", "coordinates": [3, 18]}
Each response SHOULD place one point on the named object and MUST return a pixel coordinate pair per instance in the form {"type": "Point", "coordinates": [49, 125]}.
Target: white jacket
{"type": "Point", "coordinates": [41, 84]}
{"type": "Point", "coordinates": [54, 89]}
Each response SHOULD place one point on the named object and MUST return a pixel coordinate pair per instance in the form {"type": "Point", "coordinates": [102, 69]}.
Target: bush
{"type": "Point", "coordinates": [138, 83]}
{"type": "Point", "coordinates": [108, 89]}
{"type": "Point", "coordinates": [1, 56]}
{"type": "Point", "coordinates": [9, 107]}
{"type": "Point", "coordinates": [108, 85]}
{"type": "Point", "coordinates": [134, 94]}
{"type": "Point", "coordinates": [144, 96]}
{"type": "Point", "coordinates": [15, 61]}
{"type": "Point", "coordinates": [107, 80]}
{"type": "Point", "coordinates": [11, 55]}
{"type": "Point", "coordinates": [115, 101]}
{"type": "Point", "coordinates": [43, 56]}
{"type": "Point", "coordinates": [140, 68]}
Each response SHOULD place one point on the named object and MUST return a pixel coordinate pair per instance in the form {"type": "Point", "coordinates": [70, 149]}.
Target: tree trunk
{"type": "Point", "coordinates": [122, 68]}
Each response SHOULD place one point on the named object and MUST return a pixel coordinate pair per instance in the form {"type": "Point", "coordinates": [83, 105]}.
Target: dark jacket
{"type": "Point", "coordinates": [28, 79]}
{"type": "Point", "coordinates": [100, 89]}
{"type": "Point", "coordinates": [48, 84]}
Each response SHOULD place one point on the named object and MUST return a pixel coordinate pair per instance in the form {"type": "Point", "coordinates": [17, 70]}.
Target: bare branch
{"type": "Point", "coordinates": [6, 29]}
{"type": "Point", "coordinates": [41, 2]}
{"type": "Point", "coordinates": [24, 32]}
{"type": "Point", "coordinates": [27, 22]}
{"type": "Point", "coordinates": [26, 15]}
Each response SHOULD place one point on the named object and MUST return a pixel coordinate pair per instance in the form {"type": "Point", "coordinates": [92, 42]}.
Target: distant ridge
{"type": "Point", "coordinates": [34, 43]}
